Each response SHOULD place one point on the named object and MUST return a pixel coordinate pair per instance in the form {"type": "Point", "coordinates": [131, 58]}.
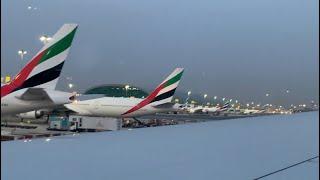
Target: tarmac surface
{"type": "Point", "coordinates": [246, 148]}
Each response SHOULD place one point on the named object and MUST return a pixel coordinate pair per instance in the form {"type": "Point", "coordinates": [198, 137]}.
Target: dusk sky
{"type": "Point", "coordinates": [229, 48]}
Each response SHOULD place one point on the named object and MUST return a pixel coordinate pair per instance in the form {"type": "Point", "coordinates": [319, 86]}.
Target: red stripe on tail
{"type": "Point", "coordinates": [21, 77]}
{"type": "Point", "coordinates": [145, 101]}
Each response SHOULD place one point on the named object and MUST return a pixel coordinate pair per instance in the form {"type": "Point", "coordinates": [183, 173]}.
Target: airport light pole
{"type": "Point", "coordinates": [45, 39]}
{"type": "Point", "coordinates": [189, 93]}
{"type": "Point", "coordinates": [236, 103]}
{"type": "Point", "coordinates": [204, 97]}
{"type": "Point", "coordinates": [21, 53]}
{"type": "Point", "coordinates": [127, 87]}
{"type": "Point", "coordinates": [223, 99]}
{"type": "Point", "coordinates": [287, 93]}
{"type": "Point", "coordinates": [252, 103]}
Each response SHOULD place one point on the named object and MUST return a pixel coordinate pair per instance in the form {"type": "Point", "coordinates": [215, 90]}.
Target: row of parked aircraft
{"type": "Point", "coordinates": [207, 109]}
{"type": "Point", "coordinates": [34, 89]}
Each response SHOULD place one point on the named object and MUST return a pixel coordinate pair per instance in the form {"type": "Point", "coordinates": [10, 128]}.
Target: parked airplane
{"type": "Point", "coordinates": [158, 101]}
{"type": "Point", "coordinates": [34, 86]}
{"type": "Point", "coordinates": [207, 109]}
{"type": "Point", "coordinates": [195, 109]}
{"type": "Point", "coordinates": [253, 111]}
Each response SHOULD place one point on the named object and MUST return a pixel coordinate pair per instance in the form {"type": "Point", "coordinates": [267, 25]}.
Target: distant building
{"type": "Point", "coordinates": [117, 90]}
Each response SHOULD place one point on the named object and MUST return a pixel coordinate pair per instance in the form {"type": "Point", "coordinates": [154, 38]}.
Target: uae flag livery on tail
{"type": "Point", "coordinates": [163, 93]}
{"type": "Point", "coordinates": [44, 69]}
{"type": "Point", "coordinates": [225, 107]}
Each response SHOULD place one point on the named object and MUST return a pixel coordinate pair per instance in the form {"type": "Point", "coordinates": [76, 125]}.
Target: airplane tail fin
{"type": "Point", "coordinates": [164, 92]}
{"type": "Point", "coordinates": [225, 107]}
{"type": "Point", "coordinates": [43, 70]}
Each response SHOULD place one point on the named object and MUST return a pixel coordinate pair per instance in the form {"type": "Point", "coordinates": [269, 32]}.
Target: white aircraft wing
{"type": "Point", "coordinates": [34, 94]}
{"type": "Point", "coordinates": [40, 94]}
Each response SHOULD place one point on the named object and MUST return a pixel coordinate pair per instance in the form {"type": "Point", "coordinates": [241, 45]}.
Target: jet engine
{"type": "Point", "coordinates": [31, 115]}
